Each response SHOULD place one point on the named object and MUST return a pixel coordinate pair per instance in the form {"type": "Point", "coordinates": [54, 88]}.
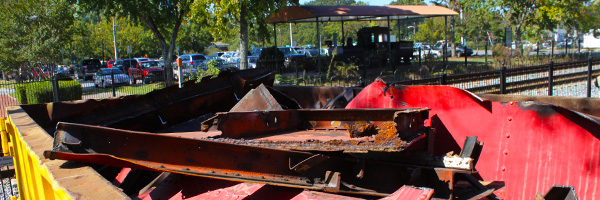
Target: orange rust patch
{"type": "Point", "coordinates": [386, 132]}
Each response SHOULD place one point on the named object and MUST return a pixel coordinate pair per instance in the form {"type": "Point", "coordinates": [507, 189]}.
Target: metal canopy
{"type": "Point", "coordinates": [295, 14]}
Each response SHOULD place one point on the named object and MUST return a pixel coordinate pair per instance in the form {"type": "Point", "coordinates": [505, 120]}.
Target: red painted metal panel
{"type": "Point", "coordinates": [177, 186]}
{"type": "Point", "coordinates": [410, 192]}
{"type": "Point", "coordinates": [530, 146]}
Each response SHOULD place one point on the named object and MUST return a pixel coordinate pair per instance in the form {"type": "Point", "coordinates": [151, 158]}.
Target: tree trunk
{"type": "Point", "coordinates": [243, 38]}
{"type": "Point", "coordinates": [4, 76]}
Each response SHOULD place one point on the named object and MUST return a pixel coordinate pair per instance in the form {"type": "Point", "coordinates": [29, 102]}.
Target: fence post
{"type": "Point", "coordinates": [419, 56]}
{"type": "Point", "coordinates": [503, 79]}
{"type": "Point", "coordinates": [465, 54]}
{"type": "Point", "coordinates": [55, 89]}
{"type": "Point", "coordinates": [550, 77]}
{"type": "Point", "coordinates": [486, 54]}
{"type": "Point", "coordinates": [112, 78]}
{"type": "Point", "coordinates": [566, 47]}
{"type": "Point", "coordinates": [589, 77]}
{"type": "Point", "coordinates": [443, 79]}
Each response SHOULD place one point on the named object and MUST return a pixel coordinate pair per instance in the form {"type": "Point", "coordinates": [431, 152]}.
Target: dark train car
{"type": "Point", "coordinates": [372, 44]}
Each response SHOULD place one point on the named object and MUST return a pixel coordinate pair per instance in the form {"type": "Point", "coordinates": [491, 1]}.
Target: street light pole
{"type": "Point", "coordinates": [115, 38]}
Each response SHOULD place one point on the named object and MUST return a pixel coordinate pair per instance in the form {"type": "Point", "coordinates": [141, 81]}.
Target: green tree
{"type": "Point", "coordinates": [242, 14]}
{"type": "Point", "coordinates": [162, 17]}
{"type": "Point", "coordinates": [33, 32]}
{"type": "Point", "coordinates": [408, 2]}
{"type": "Point", "coordinates": [194, 38]}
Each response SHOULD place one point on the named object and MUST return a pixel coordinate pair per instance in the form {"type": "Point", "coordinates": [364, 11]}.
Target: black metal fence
{"type": "Point", "coordinates": [518, 75]}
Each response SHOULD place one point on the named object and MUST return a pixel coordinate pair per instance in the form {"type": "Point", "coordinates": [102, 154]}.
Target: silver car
{"type": "Point", "coordinates": [103, 77]}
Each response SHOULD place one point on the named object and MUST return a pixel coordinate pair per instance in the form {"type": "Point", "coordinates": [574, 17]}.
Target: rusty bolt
{"type": "Point", "coordinates": [508, 135]}
{"type": "Point", "coordinates": [503, 169]}
{"type": "Point", "coordinates": [509, 119]}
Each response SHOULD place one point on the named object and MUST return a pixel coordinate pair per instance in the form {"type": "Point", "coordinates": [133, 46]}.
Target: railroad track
{"type": "Point", "coordinates": [516, 80]}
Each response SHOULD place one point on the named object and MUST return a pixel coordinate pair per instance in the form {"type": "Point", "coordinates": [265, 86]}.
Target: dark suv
{"type": "Point", "coordinates": [125, 64]}
{"type": "Point", "coordinates": [87, 68]}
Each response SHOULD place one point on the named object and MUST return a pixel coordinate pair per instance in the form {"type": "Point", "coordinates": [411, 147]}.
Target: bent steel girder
{"type": "Point", "coordinates": [231, 159]}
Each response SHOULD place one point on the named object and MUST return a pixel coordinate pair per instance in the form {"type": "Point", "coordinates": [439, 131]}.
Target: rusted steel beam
{"type": "Point", "coordinates": [253, 124]}
{"type": "Point", "coordinates": [159, 109]}
{"type": "Point", "coordinates": [228, 159]}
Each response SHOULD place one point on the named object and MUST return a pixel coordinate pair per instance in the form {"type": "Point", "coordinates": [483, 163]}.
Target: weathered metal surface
{"type": "Point", "coordinates": [580, 104]}
{"type": "Point", "coordinates": [318, 97]}
{"type": "Point", "coordinates": [235, 160]}
{"type": "Point", "coordinates": [156, 110]}
{"type": "Point", "coordinates": [178, 186]}
{"type": "Point", "coordinates": [558, 192]}
{"type": "Point", "coordinates": [410, 192]}
{"type": "Point", "coordinates": [530, 146]}
{"type": "Point", "coordinates": [257, 99]}
{"type": "Point", "coordinates": [258, 123]}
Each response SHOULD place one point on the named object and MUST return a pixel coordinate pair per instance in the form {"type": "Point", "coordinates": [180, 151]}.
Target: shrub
{"type": "Point", "coordinates": [41, 92]}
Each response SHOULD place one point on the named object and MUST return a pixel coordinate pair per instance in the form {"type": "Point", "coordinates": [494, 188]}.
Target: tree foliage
{"type": "Point", "coordinates": [33, 32]}
{"type": "Point", "coordinates": [162, 17]}
{"type": "Point", "coordinates": [224, 14]}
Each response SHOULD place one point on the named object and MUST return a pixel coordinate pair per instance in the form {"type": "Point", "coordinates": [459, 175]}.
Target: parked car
{"type": "Point", "coordinates": [290, 55]}
{"type": "Point", "coordinates": [526, 45]}
{"type": "Point", "coordinates": [61, 69]}
{"type": "Point", "coordinates": [227, 56]}
{"type": "Point", "coordinates": [110, 63]}
{"type": "Point", "coordinates": [192, 60]}
{"type": "Point", "coordinates": [141, 59]}
{"type": "Point", "coordinates": [125, 64]}
{"type": "Point", "coordinates": [87, 68]}
{"type": "Point", "coordinates": [187, 71]}
{"type": "Point", "coordinates": [218, 54]}
{"type": "Point", "coordinates": [460, 50]}
{"type": "Point", "coordinates": [309, 53]}
{"type": "Point", "coordinates": [252, 60]}
{"type": "Point", "coordinates": [103, 77]}
{"type": "Point", "coordinates": [256, 51]}
{"type": "Point", "coordinates": [147, 71]}
{"type": "Point", "coordinates": [427, 51]}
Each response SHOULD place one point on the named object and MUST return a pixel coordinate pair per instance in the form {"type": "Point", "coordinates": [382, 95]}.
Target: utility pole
{"type": "Point", "coordinates": [115, 38]}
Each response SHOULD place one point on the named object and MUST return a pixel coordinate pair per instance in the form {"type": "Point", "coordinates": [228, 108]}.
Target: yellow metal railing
{"type": "Point", "coordinates": [33, 178]}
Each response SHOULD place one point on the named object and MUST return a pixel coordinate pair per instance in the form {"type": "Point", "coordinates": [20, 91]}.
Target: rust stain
{"type": "Point", "coordinates": [387, 132]}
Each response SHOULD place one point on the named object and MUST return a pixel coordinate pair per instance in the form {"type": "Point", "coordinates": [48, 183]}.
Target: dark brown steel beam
{"type": "Point", "coordinates": [227, 159]}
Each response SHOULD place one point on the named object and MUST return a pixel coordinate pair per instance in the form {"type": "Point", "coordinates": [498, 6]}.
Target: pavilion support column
{"type": "Point", "coordinates": [318, 47]}
{"type": "Point", "coordinates": [445, 48]}
{"type": "Point", "coordinates": [343, 36]}
{"type": "Point", "coordinates": [389, 44]}
{"type": "Point", "coordinates": [398, 25]}
{"type": "Point", "coordinates": [275, 46]}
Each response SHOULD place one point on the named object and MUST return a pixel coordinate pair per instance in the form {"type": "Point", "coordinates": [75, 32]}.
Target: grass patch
{"type": "Point", "coordinates": [138, 89]}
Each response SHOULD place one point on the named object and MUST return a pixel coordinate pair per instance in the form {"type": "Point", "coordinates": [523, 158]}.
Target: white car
{"type": "Point", "coordinates": [427, 51]}
{"type": "Point", "coordinates": [186, 72]}
{"type": "Point", "coordinates": [103, 77]}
